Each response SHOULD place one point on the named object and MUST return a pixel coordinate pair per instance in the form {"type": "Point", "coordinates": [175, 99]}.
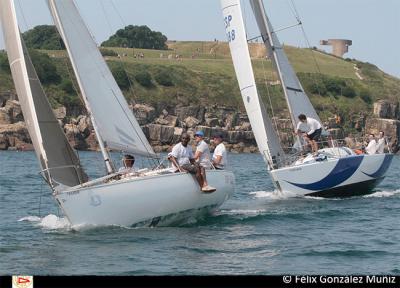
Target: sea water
{"type": "Point", "coordinates": [257, 231]}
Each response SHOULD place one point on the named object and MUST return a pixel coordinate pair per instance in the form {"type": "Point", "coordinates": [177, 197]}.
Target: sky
{"type": "Point", "coordinates": [372, 25]}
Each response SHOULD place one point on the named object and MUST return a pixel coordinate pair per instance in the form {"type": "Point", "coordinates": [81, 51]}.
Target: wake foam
{"type": "Point", "coordinates": [274, 195]}
{"type": "Point", "coordinates": [381, 194]}
{"type": "Point", "coordinates": [30, 219]}
{"type": "Point", "coordinates": [245, 212]}
{"type": "Point", "coordinates": [49, 222]}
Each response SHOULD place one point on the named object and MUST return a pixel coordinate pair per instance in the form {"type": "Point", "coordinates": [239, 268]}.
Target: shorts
{"type": "Point", "coordinates": [192, 169]}
{"type": "Point", "coordinates": [315, 136]}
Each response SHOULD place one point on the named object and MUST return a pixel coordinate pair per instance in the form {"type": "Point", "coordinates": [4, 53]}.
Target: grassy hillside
{"type": "Point", "coordinates": [203, 74]}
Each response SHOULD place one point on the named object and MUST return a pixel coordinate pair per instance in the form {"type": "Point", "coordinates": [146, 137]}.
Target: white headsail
{"type": "Point", "coordinates": [266, 137]}
{"type": "Point", "coordinates": [115, 123]}
{"type": "Point", "coordinates": [296, 98]}
{"type": "Point", "coordinates": [55, 154]}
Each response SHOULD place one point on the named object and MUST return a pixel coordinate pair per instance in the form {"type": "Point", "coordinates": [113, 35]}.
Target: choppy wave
{"type": "Point", "coordinates": [381, 194]}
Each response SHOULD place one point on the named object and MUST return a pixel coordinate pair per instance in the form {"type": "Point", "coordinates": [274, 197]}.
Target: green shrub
{"type": "Point", "coordinates": [4, 66]}
{"type": "Point", "coordinates": [121, 77]}
{"type": "Point", "coordinates": [334, 85]}
{"type": "Point", "coordinates": [349, 92]}
{"type": "Point", "coordinates": [45, 68]}
{"type": "Point", "coordinates": [108, 52]}
{"type": "Point", "coordinates": [67, 86]}
{"type": "Point", "coordinates": [144, 79]}
{"type": "Point", "coordinates": [365, 95]}
{"type": "Point", "coordinates": [164, 78]}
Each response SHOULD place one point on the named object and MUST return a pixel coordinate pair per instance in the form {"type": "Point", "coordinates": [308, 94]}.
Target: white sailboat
{"type": "Point", "coordinates": [341, 172]}
{"type": "Point", "coordinates": [151, 197]}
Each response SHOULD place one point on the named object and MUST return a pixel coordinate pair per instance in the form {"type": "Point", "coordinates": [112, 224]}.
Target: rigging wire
{"type": "Point", "coordinates": [23, 15]}
{"type": "Point", "coordinates": [270, 100]}
{"type": "Point", "coordinates": [120, 62]}
{"type": "Point", "coordinates": [296, 14]}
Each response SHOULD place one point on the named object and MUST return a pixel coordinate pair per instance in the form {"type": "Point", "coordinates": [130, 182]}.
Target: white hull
{"type": "Point", "coordinates": [335, 177]}
{"type": "Point", "coordinates": [148, 200]}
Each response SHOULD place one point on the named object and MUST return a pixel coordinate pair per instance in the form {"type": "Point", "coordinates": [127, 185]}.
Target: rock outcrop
{"type": "Point", "coordinates": [164, 128]}
{"type": "Point", "coordinates": [386, 109]}
{"type": "Point", "coordinates": [386, 119]}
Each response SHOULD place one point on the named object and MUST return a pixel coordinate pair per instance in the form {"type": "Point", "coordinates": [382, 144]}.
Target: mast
{"type": "Point", "coordinates": [297, 100]}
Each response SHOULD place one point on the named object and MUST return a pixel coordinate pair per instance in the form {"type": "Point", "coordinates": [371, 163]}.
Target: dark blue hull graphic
{"type": "Point", "coordinates": [384, 167]}
{"type": "Point", "coordinates": [343, 170]}
{"type": "Point", "coordinates": [356, 189]}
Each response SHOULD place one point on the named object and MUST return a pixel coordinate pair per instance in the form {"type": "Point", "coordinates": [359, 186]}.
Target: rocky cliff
{"type": "Point", "coordinates": [161, 129]}
{"type": "Point", "coordinates": [164, 128]}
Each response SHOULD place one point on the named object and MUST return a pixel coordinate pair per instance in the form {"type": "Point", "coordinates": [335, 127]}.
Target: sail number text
{"type": "Point", "coordinates": [230, 33]}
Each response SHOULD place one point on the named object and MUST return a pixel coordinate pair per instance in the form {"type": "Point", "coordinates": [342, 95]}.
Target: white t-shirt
{"type": "Point", "coordinates": [126, 170]}
{"type": "Point", "coordinates": [371, 148]}
{"type": "Point", "coordinates": [205, 157]}
{"type": "Point", "coordinates": [220, 150]}
{"type": "Point", "coordinates": [380, 147]}
{"type": "Point", "coordinates": [182, 153]}
{"type": "Point", "coordinates": [310, 126]}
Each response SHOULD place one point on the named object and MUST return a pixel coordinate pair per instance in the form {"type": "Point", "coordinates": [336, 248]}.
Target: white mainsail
{"type": "Point", "coordinates": [55, 154]}
{"type": "Point", "coordinates": [296, 98]}
{"type": "Point", "coordinates": [266, 137]}
{"type": "Point", "coordinates": [114, 123]}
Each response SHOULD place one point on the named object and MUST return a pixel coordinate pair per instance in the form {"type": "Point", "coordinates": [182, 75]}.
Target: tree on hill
{"type": "Point", "coordinates": [137, 37]}
{"type": "Point", "coordinates": [43, 37]}
{"type": "Point", "coordinates": [45, 68]}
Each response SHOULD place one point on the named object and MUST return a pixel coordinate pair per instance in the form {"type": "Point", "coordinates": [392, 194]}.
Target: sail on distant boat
{"type": "Point", "coordinates": [154, 196]}
{"type": "Point", "coordinates": [337, 171]}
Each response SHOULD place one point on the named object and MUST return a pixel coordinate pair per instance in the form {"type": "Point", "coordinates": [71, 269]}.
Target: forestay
{"type": "Point", "coordinates": [115, 122]}
{"type": "Point", "coordinates": [266, 137]}
{"type": "Point", "coordinates": [296, 98]}
{"type": "Point", "coordinates": [55, 154]}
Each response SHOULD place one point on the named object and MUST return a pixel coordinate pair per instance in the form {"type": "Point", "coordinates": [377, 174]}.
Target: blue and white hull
{"type": "Point", "coordinates": [344, 176]}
